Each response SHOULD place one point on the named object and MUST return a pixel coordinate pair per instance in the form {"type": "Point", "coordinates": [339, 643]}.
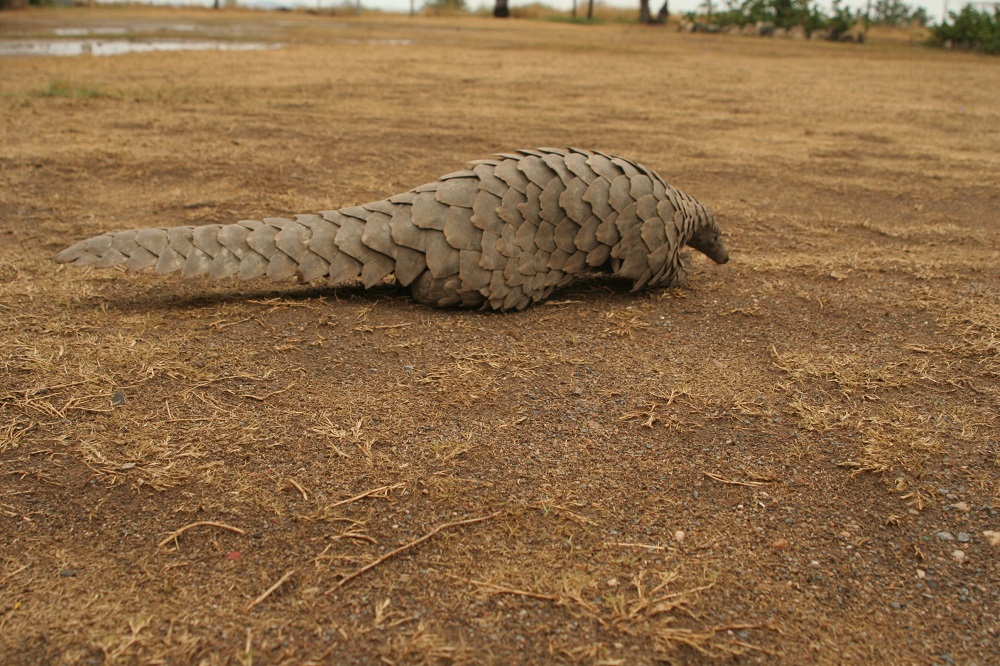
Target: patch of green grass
{"type": "Point", "coordinates": [575, 19]}
{"type": "Point", "coordinates": [63, 88]}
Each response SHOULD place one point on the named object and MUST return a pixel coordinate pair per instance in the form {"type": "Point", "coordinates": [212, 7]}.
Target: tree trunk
{"type": "Point", "coordinates": [664, 14]}
{"type": "Point", "coordinates": [644, 15]}
{"type": "Point", "coordinates": [500, 10]}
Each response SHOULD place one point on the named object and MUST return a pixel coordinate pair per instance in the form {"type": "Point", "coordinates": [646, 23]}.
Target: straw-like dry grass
{"type": "Point", "coordinates": [756, 467]}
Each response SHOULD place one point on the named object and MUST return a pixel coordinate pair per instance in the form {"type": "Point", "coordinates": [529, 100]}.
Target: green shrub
{"type": "Point", "coordinates": [781, 13]}
{"type": "Point", "coordinates": [842, 20]}
{"type": "Point", "coordinates": [445, 6]}
{"type": "Point", "coordinates": [972, 29]}
{"type": "Point", "coordinates": [63, 88]}
{"type": "Point", "coordinates": [732, 15]}
{"type": "Point", "coordinates": [897, 14]}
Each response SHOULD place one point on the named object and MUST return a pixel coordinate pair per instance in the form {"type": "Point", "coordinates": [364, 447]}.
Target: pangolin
{"type": "Point", "coordinates": [502, 233]}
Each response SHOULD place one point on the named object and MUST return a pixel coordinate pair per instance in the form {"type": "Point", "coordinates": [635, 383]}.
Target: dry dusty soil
{"type": "Point", "coordinates": [793, 459]}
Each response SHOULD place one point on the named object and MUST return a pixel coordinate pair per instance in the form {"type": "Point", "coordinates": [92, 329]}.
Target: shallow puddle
{"type": "Point", "coordinates": [82, 32]}
{"type": "Point", "coordinates": [99, 47]}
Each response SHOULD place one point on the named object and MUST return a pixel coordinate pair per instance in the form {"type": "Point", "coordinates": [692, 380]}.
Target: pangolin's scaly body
{"type": "Point", "coordinates": [502, 234]}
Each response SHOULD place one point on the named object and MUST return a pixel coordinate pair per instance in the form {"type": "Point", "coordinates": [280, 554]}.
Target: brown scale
{"type": "Point", "coordinates": [501, 234]}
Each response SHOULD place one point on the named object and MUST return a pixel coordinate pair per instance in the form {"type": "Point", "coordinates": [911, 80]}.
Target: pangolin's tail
{"type": "Point", "coordinates": [330, 244]}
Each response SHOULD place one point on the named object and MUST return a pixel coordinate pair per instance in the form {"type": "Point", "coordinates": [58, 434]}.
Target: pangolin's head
{"type": "Point", "coordinates": [707, 236]}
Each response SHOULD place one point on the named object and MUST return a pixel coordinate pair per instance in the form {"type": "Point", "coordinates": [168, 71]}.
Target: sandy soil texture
{"type": "Point", "coordinates": [794, 459]}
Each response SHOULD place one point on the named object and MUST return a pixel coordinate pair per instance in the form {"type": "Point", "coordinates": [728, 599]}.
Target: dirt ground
{"type": "Point", "coordinates": [792, 460]}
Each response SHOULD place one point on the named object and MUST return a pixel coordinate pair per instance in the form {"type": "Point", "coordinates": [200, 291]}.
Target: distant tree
{"type": "Point", "coordinates": [663, 15]}
{"type": "Point", "coordinates": [645, 16]}
{"type": "Point", "coordinates": [757, 10]}
{"type": "Point", "coordinates": [787, 14]}
{"type": "Point", "coordinates": [894, 13]}
{"type": "Point", "coordinates": [453, 5]}
{"type": "Point", "coordinates": [842, 21]}
{"type": "Point", "coordinates": [812, 17]}
{"type": "Point", "coordinates": [501, 10]}
{"type": "Point", "coordinates": [784, 13]}
{"type": "Point", "coordinates": [920, 17]}
{"type": "Point", "coordinates": [972, 29]}
{"type": "Point", "coordinates": [733, 15]}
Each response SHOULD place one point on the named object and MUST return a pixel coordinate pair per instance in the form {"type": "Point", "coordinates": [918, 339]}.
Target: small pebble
{"type": "Point", "coordinates": [921, 574]}
{"type": "Point", "coordinates": [958, 556]}
{"type": "Point", "coordinates": [945, 536]}
{"type": "Point", "coordinates": [679, 536]}
{"type": "Point", "coordinates": [780, 544]}
{"type": "Point", "coordinates": [67, 573]}
{"type": "Point", "coordinates": [612, 582]}
{"type": "Point", "coordinates": [961, 506]}
{"type": "Point", "coordinates": [992, 538]}
{"type": "Point", "coordinates": [963, 536]}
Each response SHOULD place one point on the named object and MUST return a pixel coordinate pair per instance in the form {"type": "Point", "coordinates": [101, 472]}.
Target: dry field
{"type": "Point", "coordinates": [795, 459]}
